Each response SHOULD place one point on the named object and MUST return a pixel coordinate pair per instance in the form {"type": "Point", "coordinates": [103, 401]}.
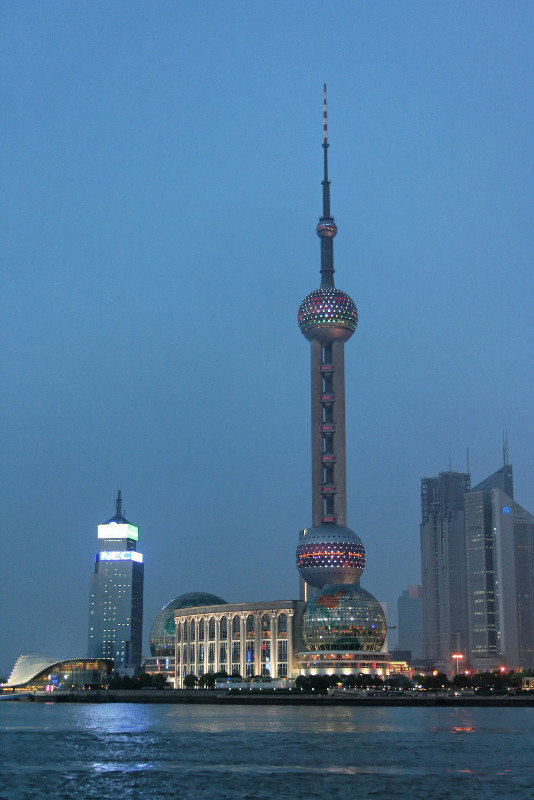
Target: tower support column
{"type": "Point", "coordinates": [274, 655]}
{"type": "Point", "coordinates": [316, 349]}
{"type": "Point", "coordinates": [290, 649]}
{"type": "Point", "coordinates": [243, 646]}
{"type": "Point", "coordinates": [338, 385]}
{"type": "Point", "coordinates": [216, 665]}
{"type": "Point", "coordinates": [257, 643]}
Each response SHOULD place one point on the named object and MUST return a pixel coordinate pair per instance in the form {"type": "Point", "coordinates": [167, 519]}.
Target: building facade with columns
{"type": "Point", "coordinates": [244, 639]}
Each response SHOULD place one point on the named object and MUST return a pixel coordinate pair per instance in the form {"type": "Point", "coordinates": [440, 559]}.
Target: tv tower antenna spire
{"type": "Point", "coordinates": [326, 229]}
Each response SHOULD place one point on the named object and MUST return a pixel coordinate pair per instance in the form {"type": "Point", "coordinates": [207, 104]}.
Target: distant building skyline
{"type": "Point", "coordinates": [116, 593]}
{"type": "Point", "coordinates": [477, 556]}
{"type": "Point", "coordinates": [410, 621]}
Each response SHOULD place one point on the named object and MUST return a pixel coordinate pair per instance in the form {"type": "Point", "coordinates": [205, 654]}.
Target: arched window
{"type": "Point", "coordinates": [192, 630]}
{"type": "Point", "coordinates": [211, 628]}
{"type": "Point", "coordinates": [185, 632]}
{"type": "Point", "coordinates": [282, 626]}
{"type": "Point", "coordinates": [266, 626]}
{"type": "Point", "coordinates": [250, 626]}
{"type": "Point", "coordinates": [179, 632]}
{"type": "Point", "coordinates": [223, 628]}
{"type": "Point", "coordinates": [201, 629]}
{"type": "Point", "coordinates": [236, 627]}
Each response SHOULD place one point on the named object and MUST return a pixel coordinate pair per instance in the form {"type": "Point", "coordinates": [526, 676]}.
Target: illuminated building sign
{"type": "Point", "coordinates": [120, 555]}
{"type": "Point", "coordinates": [118, 530]}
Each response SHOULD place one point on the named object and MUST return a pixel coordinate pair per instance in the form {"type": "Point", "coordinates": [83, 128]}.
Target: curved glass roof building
{"type": "Point", "coordinates": [163, 630]}
{"type": "Point", "coordinates": [36, 672]}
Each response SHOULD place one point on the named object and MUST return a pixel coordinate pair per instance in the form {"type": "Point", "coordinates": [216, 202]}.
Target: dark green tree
{"type": "Point", "coordinates": [433, 683]}
{"type": "Point", "coordinates": [398, 682]}
{"type": "Point", "coordinates": [159, 680]}
{"type": "Point", "coordinates": [352, 682]}
{"type": "Point", "coordinates": [463, 681]}
{"type": "Point", "coordinates": [207, 681]}
{"type": "Point", "coordinates": [142, 680]}
{"type": "Point", "coordinates": [487, 682]}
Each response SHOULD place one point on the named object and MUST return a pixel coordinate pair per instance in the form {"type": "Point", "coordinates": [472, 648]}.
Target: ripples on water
{"type": "Point", "coordinates": [129, 751]}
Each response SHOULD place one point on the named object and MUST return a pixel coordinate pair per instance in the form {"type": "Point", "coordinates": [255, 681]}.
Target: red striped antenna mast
{"type": "Point", "coordinates": [325, 121]}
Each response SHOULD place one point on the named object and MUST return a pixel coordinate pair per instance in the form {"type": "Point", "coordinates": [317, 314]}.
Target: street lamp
{"type": "Point", "coordinates": [457, 657]}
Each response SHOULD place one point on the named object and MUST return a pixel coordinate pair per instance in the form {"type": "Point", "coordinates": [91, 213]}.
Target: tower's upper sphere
{"type": "Point", "coordinates": [344, 618]}
{"type": "Point", "coordinates": [328, 314]}
{"type": "Point", "coordinates": [327, 228]}
{"type": "Point", "coordinates": [330, 553]}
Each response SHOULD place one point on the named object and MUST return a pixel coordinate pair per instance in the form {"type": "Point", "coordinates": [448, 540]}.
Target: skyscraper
{"type": "Point", "coordinates": [514, 578]}
{"type": "Point", "coordinates": [116, 593]}
{"type": "Point", "coordinates": [445, 625]}
{"type": "Point", "coordinates": [410, 621]}
{"type": "Point", "coordinates": [481, 564]}
{"type": "Point", "coordinates": [477, 554]}
{"type": "Point", "coordinates": [500, 574]}
{"type": "Point", "coordinates": [330, 556]}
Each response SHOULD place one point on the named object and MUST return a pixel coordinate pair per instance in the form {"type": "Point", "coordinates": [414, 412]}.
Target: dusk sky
{"type": "Point", "coordinates": [161, 184]}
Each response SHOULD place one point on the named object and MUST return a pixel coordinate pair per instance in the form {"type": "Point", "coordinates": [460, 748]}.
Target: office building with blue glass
{"type": "Point", "coordinates": [116, 594]}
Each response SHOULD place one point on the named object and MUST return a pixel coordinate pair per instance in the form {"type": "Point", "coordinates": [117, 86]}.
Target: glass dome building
{"type": "Point", "coordinates": [162, 632]}
{"type": "Point", "coordinates": [344, 617]}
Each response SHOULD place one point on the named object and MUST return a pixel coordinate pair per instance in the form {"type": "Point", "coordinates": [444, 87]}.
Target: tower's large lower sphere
{"type": "Point", "coordinates": [328, 314]}
{"type": "Point", "coordinates": [330, 554]}
{"type": "Point", "coordinates": [163, 633]}
{"type": "Point", "coordinates": [344, 617]}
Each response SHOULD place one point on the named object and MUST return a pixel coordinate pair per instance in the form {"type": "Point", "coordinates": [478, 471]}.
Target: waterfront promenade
{"type": "Point", "coordinates": [293, 697]}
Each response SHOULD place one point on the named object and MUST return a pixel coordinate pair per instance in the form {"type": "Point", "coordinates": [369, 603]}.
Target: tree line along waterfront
{"type": "Point", "coordinates": [498, 681]}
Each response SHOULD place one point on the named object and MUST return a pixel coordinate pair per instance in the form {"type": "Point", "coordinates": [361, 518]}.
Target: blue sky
{"type": "Point", "coordinates": [161, 168]}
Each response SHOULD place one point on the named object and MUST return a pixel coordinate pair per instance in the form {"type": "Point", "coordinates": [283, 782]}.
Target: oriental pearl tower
{"type": "Point", "coordinates": [330, 556]}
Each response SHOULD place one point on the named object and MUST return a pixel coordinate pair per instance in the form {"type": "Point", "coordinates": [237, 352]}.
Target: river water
{"type": "Point", "coordinates": [124, 751]}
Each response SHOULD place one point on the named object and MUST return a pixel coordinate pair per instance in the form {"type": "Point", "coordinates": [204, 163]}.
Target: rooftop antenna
{"type": "Point", "coordinates": [118, 503]}
{"type": "Point", "coordinates": [505, 448]}
{"type": "Point", "coordinates": [450, 466]}
{"type": "Point", "coordinates": [468, 471]}
{"type": "Point", "coordinates": [326, 229]}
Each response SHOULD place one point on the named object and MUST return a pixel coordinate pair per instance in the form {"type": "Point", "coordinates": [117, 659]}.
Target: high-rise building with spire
{"type": "Point", "coordinates": [116, 593]}
{"type": "Point", "coordinates": [330, 556]}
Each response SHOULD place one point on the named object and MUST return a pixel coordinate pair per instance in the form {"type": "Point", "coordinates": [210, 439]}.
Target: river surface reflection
{"type": "Point", "coordinates": [153, 751]}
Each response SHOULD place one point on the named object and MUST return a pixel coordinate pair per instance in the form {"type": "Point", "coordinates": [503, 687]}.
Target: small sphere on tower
{"type": "Point", "coordinates": [327, 228]}
{"type": "Point", "coordinates": [328, 314]}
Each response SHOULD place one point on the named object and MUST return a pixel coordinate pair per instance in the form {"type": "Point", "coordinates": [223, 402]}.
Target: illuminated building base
{"type": "Point", "coordinates": [163, 665]}
{"type": "Point", "coordinates": [342, 663]}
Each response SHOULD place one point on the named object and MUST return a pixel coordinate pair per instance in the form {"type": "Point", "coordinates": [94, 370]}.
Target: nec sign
{"type": "Point", "coordinates": [120, 555]}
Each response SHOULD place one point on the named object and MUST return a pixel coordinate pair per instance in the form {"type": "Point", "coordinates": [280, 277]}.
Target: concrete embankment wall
{"type": "Point", "coordinates": [207, 696]}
